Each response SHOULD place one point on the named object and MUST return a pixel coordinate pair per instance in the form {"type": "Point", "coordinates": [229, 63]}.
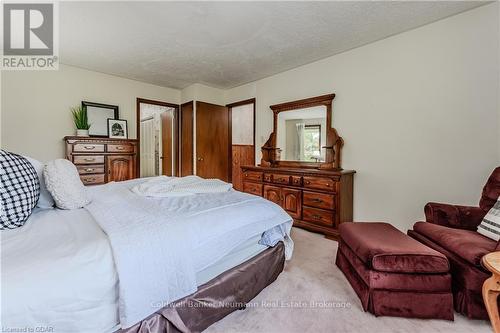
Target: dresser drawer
{"type": "Point", "coordinates": [318, 216]}
{"type": "Point", "coordinates": [320, 200]}
{"type": "Point", "coordinates": [88, 159]}
{"type": "Point", "coordinates": [117, 148]}
{"type": "Point", "coordinates": [252, 188]}
{"type": "Point", "coordinates": [92, 179]}
{"type": "Point", "coordinates": [252, 175]}
{"type": "Point", "coordinates": [280, 179]}
{"type": "Point", "coordinates": [296, 181]}
{"type": "Point", "coordinates": [88, 148]}
{"type": "Point", "coordinates": [87, 169]}
{"type": "Point", "coordinates": [320, 183]}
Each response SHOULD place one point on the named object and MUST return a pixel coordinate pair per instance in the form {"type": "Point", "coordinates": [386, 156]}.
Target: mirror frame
{"type": "Point", "coordinates": [334, 142]}
{"type": "Point", "coordinates": [104, 107]}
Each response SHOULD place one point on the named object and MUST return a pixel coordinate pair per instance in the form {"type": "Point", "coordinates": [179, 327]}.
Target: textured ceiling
{"type": "Point", "coordinates": [226, 44]}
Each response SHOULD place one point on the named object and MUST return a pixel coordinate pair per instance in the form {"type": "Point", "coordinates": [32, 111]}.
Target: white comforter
{"type": "Point", "coordinates": [164, 186]}
{"type": "Point", "coordinates": [149, 236]}
{"type": "Point", "coordinates": [58, 273]}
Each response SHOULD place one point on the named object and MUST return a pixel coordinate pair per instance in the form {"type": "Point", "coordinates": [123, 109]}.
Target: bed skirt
{"type": "Point", "coordinates": [218, 297]}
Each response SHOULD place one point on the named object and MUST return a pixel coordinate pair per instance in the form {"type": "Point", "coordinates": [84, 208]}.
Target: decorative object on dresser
{"type": "Point", "coordinates": [98, 115]}
{"type": "Point", "coordinates": [117, 129]}
{"type": "Point", "coordinates": [81, 121]}
{"type": "Point", "coordinates": [311, 186]}
{"type": "Point", "coordinates": [102, 160]}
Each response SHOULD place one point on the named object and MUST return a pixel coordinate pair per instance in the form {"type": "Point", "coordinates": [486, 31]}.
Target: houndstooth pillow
{"type": "Point", "coordinates": [19, 190]}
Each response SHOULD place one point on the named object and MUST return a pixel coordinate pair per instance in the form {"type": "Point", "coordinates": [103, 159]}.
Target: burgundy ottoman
{"type": "Point", "coordinates": [393, 274]}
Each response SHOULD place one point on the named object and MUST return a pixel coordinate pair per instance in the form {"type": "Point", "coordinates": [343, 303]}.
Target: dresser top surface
{"type": "Point", "coordinates": [299, 170]}
{"type": "Point", "coordinates": [93, 138]}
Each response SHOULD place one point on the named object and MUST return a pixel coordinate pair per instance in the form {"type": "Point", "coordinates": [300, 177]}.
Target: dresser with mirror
{"type": "Point", "coordinates": [300, 169]}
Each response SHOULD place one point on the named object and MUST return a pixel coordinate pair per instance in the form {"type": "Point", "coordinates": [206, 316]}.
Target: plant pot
{"type": "Point", "coordinates": [82, 132]}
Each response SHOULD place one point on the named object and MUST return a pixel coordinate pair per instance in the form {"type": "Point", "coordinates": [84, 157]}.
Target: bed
{"type": "Point", "coordinates": [60, 270]}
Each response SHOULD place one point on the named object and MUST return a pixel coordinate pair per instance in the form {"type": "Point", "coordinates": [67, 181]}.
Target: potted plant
{"type": "Point", "coordinates": [81, 120]}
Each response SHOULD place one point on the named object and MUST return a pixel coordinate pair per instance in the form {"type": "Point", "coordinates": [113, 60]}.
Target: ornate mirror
{"type": "Point", "coordinates": [303, 136]}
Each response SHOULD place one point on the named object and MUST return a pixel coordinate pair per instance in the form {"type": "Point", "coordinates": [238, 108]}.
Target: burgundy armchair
{"type": "Point", "coordinates": [452, 230]}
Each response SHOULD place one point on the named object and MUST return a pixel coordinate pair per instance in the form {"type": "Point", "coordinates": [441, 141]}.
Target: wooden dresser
{"type": "Point", "coordinates": [316, 192]}
{"type": "Point", "coordinates": [318, 200]}
{"type": "Point", "coordinates": [102, 160]}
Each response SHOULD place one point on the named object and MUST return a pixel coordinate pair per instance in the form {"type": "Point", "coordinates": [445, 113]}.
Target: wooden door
{"type": "Point", "coordinates": [292, 202]}
{"type": "Point", "coordinates": [186, 159]}
{"type": "Point", "coordinates": [120, 167]}
{"type": "Point", "coordinates": [212, 141]}
{"type": "Point", "coordinates": [166, 142]}
{"type": "Point", "coordinates": [242, 136]}
{"type": "Point", "coordinates": [242, 155]}
{"type": "Point", "coordinates": [236, 178]}
{"type": "Point", "coordinates": [273, 193]}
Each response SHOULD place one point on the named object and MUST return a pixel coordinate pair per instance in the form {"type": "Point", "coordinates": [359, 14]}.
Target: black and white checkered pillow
{"type": "Point", "coordinates": [19, 190]}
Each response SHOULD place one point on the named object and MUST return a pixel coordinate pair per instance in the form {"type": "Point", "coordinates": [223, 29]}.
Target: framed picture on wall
{"type": "Point", "coordinates": [117, 129]}
{"type": "Point", "coordinates": [97, 115]}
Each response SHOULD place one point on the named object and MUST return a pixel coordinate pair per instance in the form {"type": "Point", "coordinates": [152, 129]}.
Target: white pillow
{"type": "Point", "coordinates": [63, 182]}
{"type": "Point", "coordinates": [490, 226]}
{"type": "Point", "coordinates": [46, 200]}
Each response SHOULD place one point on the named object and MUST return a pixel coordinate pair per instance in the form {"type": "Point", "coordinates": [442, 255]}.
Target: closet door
{"type": "Point", "coordinates": [186, 125]}
{"type": "Point", "coordinates": [212, 141]}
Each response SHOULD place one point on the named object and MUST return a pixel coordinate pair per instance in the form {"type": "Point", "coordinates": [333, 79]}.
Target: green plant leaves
{"type": "Point", "coordinates": [80, 117]}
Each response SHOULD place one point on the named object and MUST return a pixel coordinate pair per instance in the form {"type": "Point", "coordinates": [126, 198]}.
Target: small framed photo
{"type": "Point", "coordinates": [117, 129]}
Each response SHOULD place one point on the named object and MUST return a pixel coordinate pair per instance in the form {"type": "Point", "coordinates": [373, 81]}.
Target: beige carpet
{"type": "Point", "coordinates": [312, 278]}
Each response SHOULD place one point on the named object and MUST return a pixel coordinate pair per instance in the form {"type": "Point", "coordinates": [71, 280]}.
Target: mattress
{"type": "Point", "coordinates": [58, 271]}
{"type": "Point", "coordinates": [242, 253]}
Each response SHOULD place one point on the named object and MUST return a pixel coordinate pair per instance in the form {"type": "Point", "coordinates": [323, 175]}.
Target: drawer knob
{"type": "Point", "coordinates": [317, 200]}
{"type": "Point", "coordinates": [88, 159]}
{"type": "Point", "coordinates": [246, 174]}
{"type": "Point", "coordinates": [89, 169]}
{"type": "Point", "coordinates": [308, 182]}
{"type": "Point", "coordinates": [317, 217]}
{"type": "Point", "coordinates": [328, 184]}
{"type": "Point", "coordinates": [89, 147]}
{"type": "Point", "coordinates": [119, 148]}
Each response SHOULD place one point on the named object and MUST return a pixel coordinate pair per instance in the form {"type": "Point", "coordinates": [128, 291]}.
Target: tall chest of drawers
{"type": "Point", "coordinates": [317, 200]}
{"type": "Point", "coordinates": [102, 160]}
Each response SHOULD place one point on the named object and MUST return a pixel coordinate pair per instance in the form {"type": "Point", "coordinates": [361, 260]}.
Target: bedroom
{"type": "Point", "coordinates": [282, 100]}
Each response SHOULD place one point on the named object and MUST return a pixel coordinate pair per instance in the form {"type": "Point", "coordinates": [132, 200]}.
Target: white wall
{"type": "Point", "coordinates": [418, 112]}
{"type": "Point", "coordinates": [35, 105]}
{"type": "Point", "coordinates": [203, 93]}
